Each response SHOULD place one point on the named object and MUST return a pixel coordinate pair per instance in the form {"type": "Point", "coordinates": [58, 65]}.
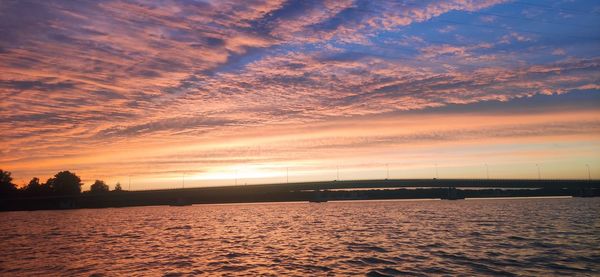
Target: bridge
{"type": "Point", "coordinates": [438, 183]}
{"type": "Point", "coordinates": [310, 191]}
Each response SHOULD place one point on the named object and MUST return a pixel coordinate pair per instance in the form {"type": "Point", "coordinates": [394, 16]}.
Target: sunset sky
{"type": "Point", "coordinates": [250, 90]}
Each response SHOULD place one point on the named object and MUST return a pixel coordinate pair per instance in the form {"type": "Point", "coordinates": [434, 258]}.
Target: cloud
{"type": "Point", "coordinates": [80, 75]}
{"type": "Point", "coordinates": [514, 36]}
{"type": "Point", "coordinates": [559, 52]}
{"type": "Point", "coordinates": [353, 140]}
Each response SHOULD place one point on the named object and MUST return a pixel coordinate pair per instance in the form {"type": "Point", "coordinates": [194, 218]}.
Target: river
{"type": "Point", "coordinates": [375, 238]}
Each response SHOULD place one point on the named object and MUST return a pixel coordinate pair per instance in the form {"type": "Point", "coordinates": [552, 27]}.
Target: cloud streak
{"type": "Point", "coordinates": [83, 75]}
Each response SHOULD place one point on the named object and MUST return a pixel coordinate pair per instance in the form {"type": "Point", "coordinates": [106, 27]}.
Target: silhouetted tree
{"type": "Point", "coordinates": [65, 182]}
{"type": "Point", "coordinates": [48, 186]}
{"type": "Point", "coordinates": [99, 187]}
{"type": "Point", "coordinates": [118, 187]}
{"type": "Point", "coordinates": [6, 185]}
{"type": "Point", "coordinates": [34, 186]}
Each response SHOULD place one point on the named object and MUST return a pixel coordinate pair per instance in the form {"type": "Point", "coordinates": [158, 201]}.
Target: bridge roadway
{"type": "Point", "coordinates": [458, 183]}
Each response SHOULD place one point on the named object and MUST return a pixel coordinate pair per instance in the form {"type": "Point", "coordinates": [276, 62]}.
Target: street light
{"type": "Point", "coordinates": [589, 174]}
{"type": "Point", "coordinates": [387, 166]}
{"type": "Point", "coordinates": [539, 172]}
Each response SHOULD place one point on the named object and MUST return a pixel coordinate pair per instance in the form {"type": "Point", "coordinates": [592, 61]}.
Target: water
{"type": "Point", "coordinates": [471, 237]}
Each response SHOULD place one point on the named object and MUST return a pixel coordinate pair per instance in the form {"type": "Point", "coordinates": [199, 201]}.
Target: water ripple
{"type": "Point", "coordinates": [391, 238]}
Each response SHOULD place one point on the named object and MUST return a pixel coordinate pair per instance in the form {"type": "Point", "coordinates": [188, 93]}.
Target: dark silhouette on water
{"type": "Point", "coordinates": [318, 197]}
{"type": "Point", "coordinates": [585, 192]}
{"type": "Point", "coordinates": [181, 202]}
{"type": "Point", "coordinates": [453, 194]}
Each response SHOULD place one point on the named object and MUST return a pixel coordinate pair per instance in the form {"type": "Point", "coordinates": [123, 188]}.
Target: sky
{"type": "Point", "coordinates": [164, 94]}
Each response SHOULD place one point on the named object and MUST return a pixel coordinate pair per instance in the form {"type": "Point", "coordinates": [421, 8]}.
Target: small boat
{"type": "Point", "coordinates": [453, 194]}
{"type": "Point", "coordinates": [181, 202]}
{"type": "Point", "coordinates": [584, 192]}
{"type": "Point", "coordinates": [318, 197]}
{"type": "Point", "coordinates": [453, 198]}
{"type": "Point", "coordinates": [317, 200]}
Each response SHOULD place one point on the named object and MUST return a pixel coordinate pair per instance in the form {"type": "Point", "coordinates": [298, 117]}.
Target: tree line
{"type": "Point", "coordinates": [62, 183]}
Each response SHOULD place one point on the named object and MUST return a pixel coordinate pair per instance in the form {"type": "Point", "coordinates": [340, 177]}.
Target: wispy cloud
{"type": "Point", "coordinates": [83, 75]}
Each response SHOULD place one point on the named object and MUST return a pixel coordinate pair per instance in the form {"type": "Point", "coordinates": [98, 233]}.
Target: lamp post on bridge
{"type": "Point", "coordinates": [387, 167]}
{"type": "Point", "coordinates": [539, 172]}
{"type": "Point", "coordinates": [589, 174]}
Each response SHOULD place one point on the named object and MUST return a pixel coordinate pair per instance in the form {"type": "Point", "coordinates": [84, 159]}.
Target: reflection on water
{"type": "Point", "coordinates": [532, 237]}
